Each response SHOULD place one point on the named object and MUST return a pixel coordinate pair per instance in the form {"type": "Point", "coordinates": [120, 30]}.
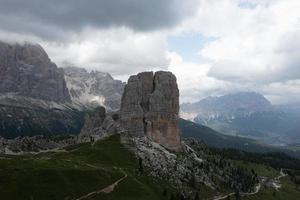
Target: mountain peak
{"type": "Point", "coordinates": [26, 70]}
{"type": "Point", "coordinates": [249, 101]}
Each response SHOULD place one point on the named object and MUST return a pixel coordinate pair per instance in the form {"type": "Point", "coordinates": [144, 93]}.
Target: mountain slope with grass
{"type": "Point", "coordinates": [76, 171]}
{"type": "Point", "coordinates": [120, 167]}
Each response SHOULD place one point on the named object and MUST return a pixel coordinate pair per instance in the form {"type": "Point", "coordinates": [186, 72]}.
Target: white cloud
{"type": "Point", "coordinates": [282, 92]}
{"type": "Point", "coordinates": [255, 46]}
{"type": "Point", "coordinates": [248, 40]}
{"type": "Point", "coordinates": [119, 51]}
{"type": "Point", "coordinates": [192, 79]}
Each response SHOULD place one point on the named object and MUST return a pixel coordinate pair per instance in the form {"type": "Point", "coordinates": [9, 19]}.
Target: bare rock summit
{"type": "Point", "coordinates": [26, 70]}
{"type": "Point", "coordinates": [94, 87]}
{"type": "Point", "coordinates": [150, 106]}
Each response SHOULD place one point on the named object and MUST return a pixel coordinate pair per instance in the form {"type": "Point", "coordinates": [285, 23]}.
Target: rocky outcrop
{"type": "Point", "coordinates": [26, 70]}
{"type": "Point", "coordinates": [194, 167]}
{"type": "Point", "coordinates": [94, 87]}
{"type": "Point", "coordinates": [94, 120]}
{"type": "Point", "coordinates": [150, 106]}
{"type": "Point", "coordinates": [35, 144]}
{"type": "Point", "coordinates": [99, 124]}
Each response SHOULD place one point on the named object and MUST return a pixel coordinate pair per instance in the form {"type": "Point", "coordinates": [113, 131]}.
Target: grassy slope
{"type": "Point", "coordinates": [85, 168]}
{"type": "Point", "coordinates": [81, 169]}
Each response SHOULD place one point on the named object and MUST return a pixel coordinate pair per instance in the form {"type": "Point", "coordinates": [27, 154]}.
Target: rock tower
{"type": "Point", "coordinates": [150, 106]}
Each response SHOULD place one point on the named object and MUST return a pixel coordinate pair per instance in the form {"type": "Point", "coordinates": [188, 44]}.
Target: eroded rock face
{"type": "Point", "coordinates": [150, 106]}
{"type": "Point", "coordinates": [26, 70]}
{"type": "Point", "coordinates": [94, 87]}
{"type": "Point", "coordinates": [99, 124]}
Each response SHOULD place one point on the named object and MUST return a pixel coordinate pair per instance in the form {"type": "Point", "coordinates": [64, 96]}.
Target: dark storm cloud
{"type": "Point", "coordinates": [52, 17]}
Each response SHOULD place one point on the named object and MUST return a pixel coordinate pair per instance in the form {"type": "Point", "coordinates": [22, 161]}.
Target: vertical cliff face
{"type": "Point", "coordinates": [150, 106]}
{"type": "Point", "coordinates": [26, 70]}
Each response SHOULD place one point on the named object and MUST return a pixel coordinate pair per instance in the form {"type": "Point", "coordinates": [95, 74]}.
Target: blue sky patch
{"type": "Point", "coordinates": [188, 46]}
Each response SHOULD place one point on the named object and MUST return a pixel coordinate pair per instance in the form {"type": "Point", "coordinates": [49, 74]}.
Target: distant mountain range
{"type": "Point", "coordinates": [215, 139]}
{"type": "Point", "coordinates": [247, 114]}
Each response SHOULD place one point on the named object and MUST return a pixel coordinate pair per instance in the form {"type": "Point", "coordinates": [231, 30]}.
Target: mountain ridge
{"type": "Point", "coordinates": [93, 87]}
{"type": "Point", "coordinates": [248, 114]}
{"type": "Point", "coordinates": [26, 70]}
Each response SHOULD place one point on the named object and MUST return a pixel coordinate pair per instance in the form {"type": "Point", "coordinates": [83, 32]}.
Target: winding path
{"type": "Point", "coordinates": [257, 188]}
{"type": "Point", "coordinates": [106, 190]}
{"type": "Point", "coordinates": [282, 174]}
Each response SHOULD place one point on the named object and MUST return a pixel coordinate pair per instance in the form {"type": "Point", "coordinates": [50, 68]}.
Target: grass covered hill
{"type": "Point", "coordinates": [75, 172]}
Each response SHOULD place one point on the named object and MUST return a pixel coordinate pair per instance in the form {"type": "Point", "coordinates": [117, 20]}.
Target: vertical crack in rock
{"type": "Point", "coordinates": [150, 106]}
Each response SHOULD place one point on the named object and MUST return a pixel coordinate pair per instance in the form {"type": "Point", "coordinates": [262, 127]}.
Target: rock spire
{"type": "Point", "coordinates": [150, 106]}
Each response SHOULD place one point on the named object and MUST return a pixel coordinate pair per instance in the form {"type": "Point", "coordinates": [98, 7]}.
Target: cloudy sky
{"type": "Point", "coordinates": [214, 47]}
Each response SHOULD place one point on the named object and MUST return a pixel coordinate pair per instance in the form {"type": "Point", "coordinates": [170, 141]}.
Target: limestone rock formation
{"type": "Point", "coordinates": [93, 122]}
{"type": "Point", "coordinates": [196, 166]}
{"type": "Point", "coordinates": [94, 87]}
{"type": "Point", "coordinates": [150, 106]}
{"type": "Point", "coordinates": [98, 124]}
{"type": "Point", "coordinates": [26, 70]}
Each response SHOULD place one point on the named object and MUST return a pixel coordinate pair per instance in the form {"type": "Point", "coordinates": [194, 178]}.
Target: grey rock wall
{"type": "Point", "coordinates": [26, 70]}
{"type": "Point", "coordinates": [150, 106]}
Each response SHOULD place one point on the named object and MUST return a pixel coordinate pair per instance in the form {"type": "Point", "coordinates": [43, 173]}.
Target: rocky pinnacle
{"type": "Point", "coordinates": [150, 106]}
